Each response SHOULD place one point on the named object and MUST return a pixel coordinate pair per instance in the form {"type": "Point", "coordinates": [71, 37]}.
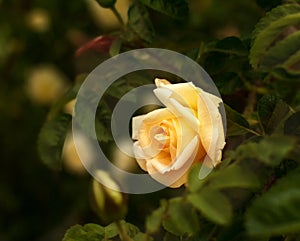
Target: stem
{"type": "Point", "coordinates": [117, 14]}
{"type": "Point", "coordinates": [251, 103]}
{"type": "Point", "coordinates": [122, 232]}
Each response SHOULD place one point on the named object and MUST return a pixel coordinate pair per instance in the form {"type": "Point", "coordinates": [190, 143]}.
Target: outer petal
{"type": "Point", "coordinates": [137, 121]}
{"type": "Point", "coordinates": [139, 155]}
{"type": "Point", "coordinates": [211, 128]}
{"type": "Point", "coordinates": [185, 93]}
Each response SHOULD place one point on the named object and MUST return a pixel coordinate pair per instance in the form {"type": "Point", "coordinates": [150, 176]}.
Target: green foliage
{"type": "Point", "coordinates": [180, 218]}
{"type": "Point", "coordinates": [213, 205]}
{"type": "Point", "coordinates": [276, 40]}
{"type": "Point", "coordinates": [270, 150]}
{"type": "Point", "coordinates": [87, 232]}
{"type": "Point", "coordinates": [236, 123]}
{"type": "Point", "coordinates": [277, 211]}
{"type": "Point", "coordinates": [139, 21]}
{"type": "Point", "coordinates": [176, 9]}
{"type": "Point", "coordinates": [252, 195]}
{"type": "Point", "coordinates": [51, 140]}
{"type": "Point", "coordinates": [95, 232]}
{"type": "Point", "coordinates": [153, 221]}
{"type": "Point", "coordinates": [272, 112]}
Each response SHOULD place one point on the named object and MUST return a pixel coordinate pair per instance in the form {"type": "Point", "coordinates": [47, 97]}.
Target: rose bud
{"type": "Point", "coordinates": [99, 44]}
{"type": "Point", "coordinates": [187, 131]}
{"type": "Point", "coordinates": [110, 205]}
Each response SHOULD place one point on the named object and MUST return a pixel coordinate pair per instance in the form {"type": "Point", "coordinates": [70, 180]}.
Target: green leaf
{"type": "Point", "coordinates": [272, 112]}
{"type": "Point", "coordinates": [284, 53]}
{"type": "Point", "coordinates": [175, 8]}
{"type": "Point", "coordinates": [131, 229]}
{"type": "Point", "coordinates": [236, 123]}
{"type": "Point", "coordinates": [270, 150]}
{"type": "Point", "coordinates": [292, 125]}
{"type": "Point", "coordinates": [142, 237]}
{"type": "Point", "coordinates": [180, 218]}
{"type": "Point", "coordinates": [276, 39]}
{"type": "Point", "coordinates": [153, 221]}
{"type": "Point", "coordinates": [213, 205]}
{"type": "Point", "coordinates": [111, 230]}
{"type": "Point", "coordinates": [277, 211]}
{"type": "Point", "coordinates": [233, 176]}
{"type": "Point", "coordinates": [139, 22]}
{"type": "Point", "coordinates": [229, 45]}
{"type": "Point", "coordinates": [194, 182]}
{"type": "Point", "coordinates": [292, 65]}
{"type": "Point", "coordinates": [88, 232]}
{"type": "Point", "coordinates": [51, 140]}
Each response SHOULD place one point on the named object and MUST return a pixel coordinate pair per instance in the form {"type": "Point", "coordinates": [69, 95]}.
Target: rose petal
{"type": "Point", "coordinates": [176, 177]}
{"type": "Point", "coordinates": [211, 128]}
{"type": "Point", "coordinates": [185, 93]}
{"type": "Point", "coordinates": [136, 125]}
{"type": "Point", "coordinates": [189, 151]}
{"type": "Point", "coordinates": [176, 108]}
{"type": "Point", "coordinates": [139, 155]}
{"type": "Point", "coordinates": [157, 116]}
{"type": "Point", "coordinates": [186, 113]}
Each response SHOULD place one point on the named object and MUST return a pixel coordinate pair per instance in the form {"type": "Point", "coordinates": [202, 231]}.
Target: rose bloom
{"type": "Point", "coordinates": [188, 131]}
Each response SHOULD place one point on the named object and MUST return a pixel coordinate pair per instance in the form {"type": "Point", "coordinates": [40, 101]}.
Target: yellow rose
{"type": "Point", "coordinates": [188, 131]}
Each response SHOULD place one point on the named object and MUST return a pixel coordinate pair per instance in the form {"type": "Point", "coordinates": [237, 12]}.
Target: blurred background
{"type": "Point", "coordinates": [39, 62]}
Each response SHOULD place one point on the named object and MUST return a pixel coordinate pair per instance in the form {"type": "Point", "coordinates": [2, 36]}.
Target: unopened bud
{"type": "Point", "coordinates": [110, 205]}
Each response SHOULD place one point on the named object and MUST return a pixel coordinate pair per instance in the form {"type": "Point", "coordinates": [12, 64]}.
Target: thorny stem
{"type": "Point", "coordinates": [117, 14]}
{"type": "Point", "coordinates": [122, 232]}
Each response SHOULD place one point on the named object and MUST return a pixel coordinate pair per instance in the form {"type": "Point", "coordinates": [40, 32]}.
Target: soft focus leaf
{"type": "Point", "coordinates": [292, 125]}
{"type": "Point", "coordinates": [142, 237]}
{"type": "Point", "coordinates": [270, 150]}
{"type": "Point", "coordinates": [233, 176]}
{"type": "Point", "coordinates": [111, 230]}
{"type": "Point", "coordinates": [181, 218]}
{"type": "Point", "coordinates": [277, 211]}
{"type": "Point", "coordinates": [51, 140]}
{"type": "Point", "coordinates": [131, 229]}
{"type": "Point", "coordinates": [272, 112]}
{"type": "Point", "coordinates": [153, 221]}
{"type": "Point", "coordinates": [194, 182]}
{"type": "Point", "coordinates": [139, 21]}
{"type": "Point", "coordinates": [88, 232]}
{"type": "Point", "coordinates": [213, 205]}
{"type": "Point", "coordinates": [175, 8]}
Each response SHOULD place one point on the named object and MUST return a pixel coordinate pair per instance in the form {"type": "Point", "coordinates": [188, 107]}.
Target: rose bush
{"type": "Point", "coordinates": [188, 131]}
